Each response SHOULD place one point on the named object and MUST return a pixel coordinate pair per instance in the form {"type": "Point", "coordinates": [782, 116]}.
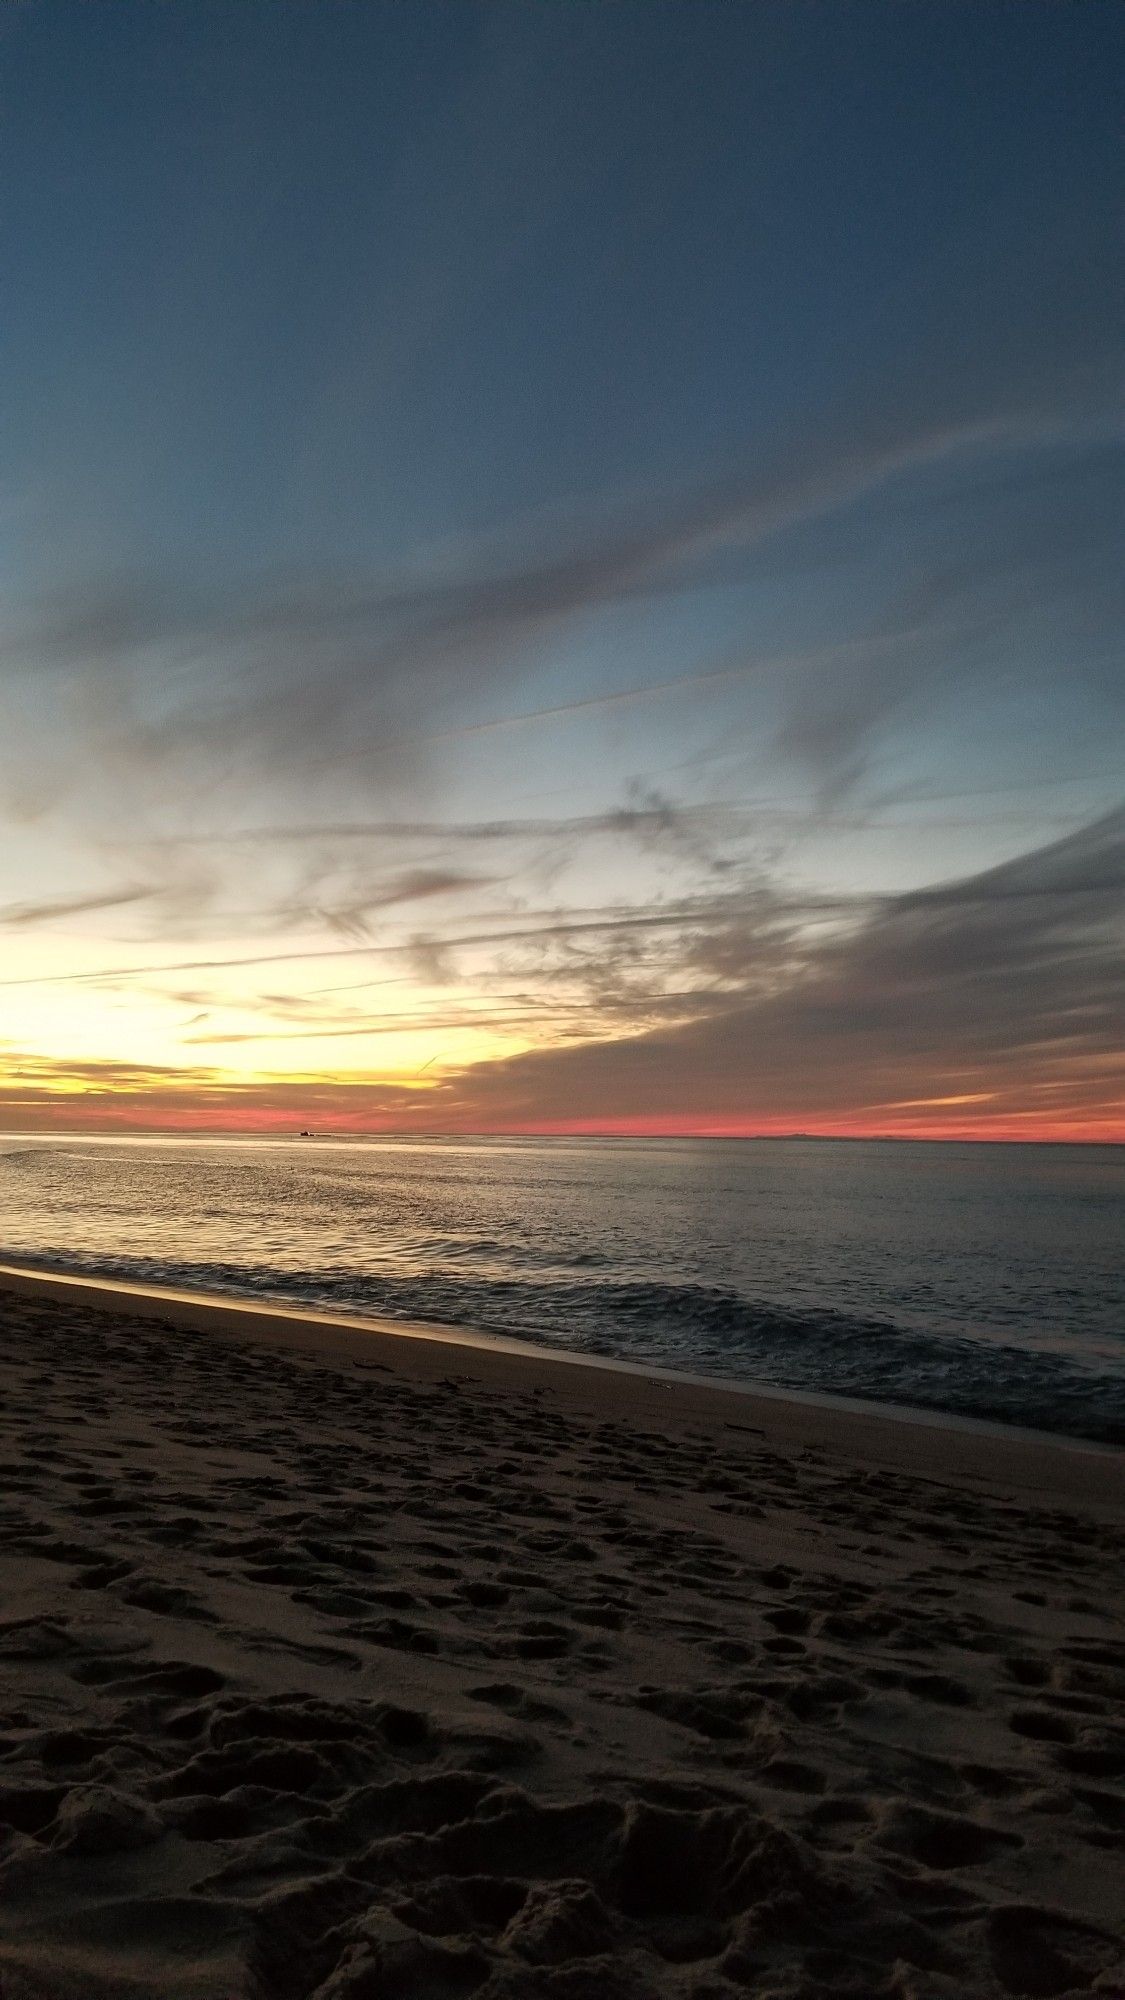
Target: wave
{"type": "Point", "coordinates": [703, 1329]}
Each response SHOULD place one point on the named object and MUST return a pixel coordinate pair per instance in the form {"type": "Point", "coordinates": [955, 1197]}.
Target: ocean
{"type": "Point", "coordinates": [985, 1281]}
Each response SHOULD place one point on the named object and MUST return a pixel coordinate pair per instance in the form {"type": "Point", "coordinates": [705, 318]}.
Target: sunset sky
{"type": "Point", "coordinates": [561, 567]}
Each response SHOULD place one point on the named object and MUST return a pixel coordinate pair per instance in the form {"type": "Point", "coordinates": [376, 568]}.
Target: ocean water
{"type": "Point", "coordinates": [983, 1280]}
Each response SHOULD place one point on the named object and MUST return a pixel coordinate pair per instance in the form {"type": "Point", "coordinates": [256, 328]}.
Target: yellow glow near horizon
{"type": "Point", "coordinates": [274, 1030]}
{"type": "Point", "coordinates": [187, 1021]}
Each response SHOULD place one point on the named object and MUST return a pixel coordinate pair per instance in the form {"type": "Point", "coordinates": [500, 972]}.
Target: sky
{"type": "Point", "coordinates": [560, 567]}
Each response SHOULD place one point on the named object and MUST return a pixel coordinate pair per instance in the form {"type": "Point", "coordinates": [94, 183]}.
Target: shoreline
{"type": "Point", "coordinates": [934, 1443]}
{"type": "Point", "coordinates": [335, 1662]}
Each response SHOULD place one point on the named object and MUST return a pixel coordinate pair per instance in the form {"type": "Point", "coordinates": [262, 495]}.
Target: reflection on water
{"type": "Point", "coordinates": [982, 1279]}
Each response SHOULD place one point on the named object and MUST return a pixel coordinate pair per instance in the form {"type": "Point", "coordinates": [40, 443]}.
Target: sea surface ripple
{"type": "Point", "coordinates": [984, 1281]}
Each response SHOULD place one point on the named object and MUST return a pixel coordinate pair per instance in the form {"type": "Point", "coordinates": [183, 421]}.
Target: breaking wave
{"type": "Point", "coordinates": [700, 1329]}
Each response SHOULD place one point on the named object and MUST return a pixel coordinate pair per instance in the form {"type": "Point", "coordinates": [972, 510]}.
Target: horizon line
{"type": "Point", "coordinates": [279, 1133]}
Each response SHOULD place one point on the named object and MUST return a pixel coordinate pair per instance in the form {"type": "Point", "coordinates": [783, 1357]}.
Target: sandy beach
{"type": "Point", "coordinates": [337, 1663]}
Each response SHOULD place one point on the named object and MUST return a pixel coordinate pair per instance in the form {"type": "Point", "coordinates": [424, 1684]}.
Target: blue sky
{"type": "Point", "coordinates": [705, 414]}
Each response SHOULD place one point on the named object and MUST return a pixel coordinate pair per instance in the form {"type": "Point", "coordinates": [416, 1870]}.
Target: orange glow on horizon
{"type": "Point", "coordinates": [106, 1119]}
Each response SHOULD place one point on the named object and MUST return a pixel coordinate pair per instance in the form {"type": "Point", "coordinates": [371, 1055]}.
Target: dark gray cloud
{"type": "Point", "coordinates": [1007, 987]}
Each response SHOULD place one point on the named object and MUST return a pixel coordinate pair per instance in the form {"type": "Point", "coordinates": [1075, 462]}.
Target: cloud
{"type": "Point", "coordinates": [1005, 989]}
{"type": "Point", "coordinates": [1020, 550]}
{"type": "Point", "coordinates": [41, 1094]}
{"type": "Point", "coordinates": [1090, 862]}
{"type": "Point", "coordinates": [23, 916]}
{"type": "Point", "coordinates": [351, 917]}
{"type": "Point", "coordinates": [431, 961]}
{"type": "Point", "coordinates": [649, 817]}
{"type": "Point", "coordinates": [996, 360]}
{"type": "Point", "coordinates": [536, 928]}
{"type": "Point", "coordinates": [298, 675]}
{"type": "Point", "coordinates": [994, 1001]}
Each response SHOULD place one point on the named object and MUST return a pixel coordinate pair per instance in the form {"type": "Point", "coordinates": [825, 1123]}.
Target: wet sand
{"type": "Point", "coordinates": [336, 1663]}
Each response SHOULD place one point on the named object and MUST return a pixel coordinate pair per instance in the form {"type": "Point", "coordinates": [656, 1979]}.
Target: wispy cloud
{"type": "Point", "coordinates": [333, 674]}
{"type": "Point", "coordinates": [985, 997]}
{"type": "Point", "coordinates": [1003, 988]}
{"type": "Point", "coordinates": [53, 909]}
